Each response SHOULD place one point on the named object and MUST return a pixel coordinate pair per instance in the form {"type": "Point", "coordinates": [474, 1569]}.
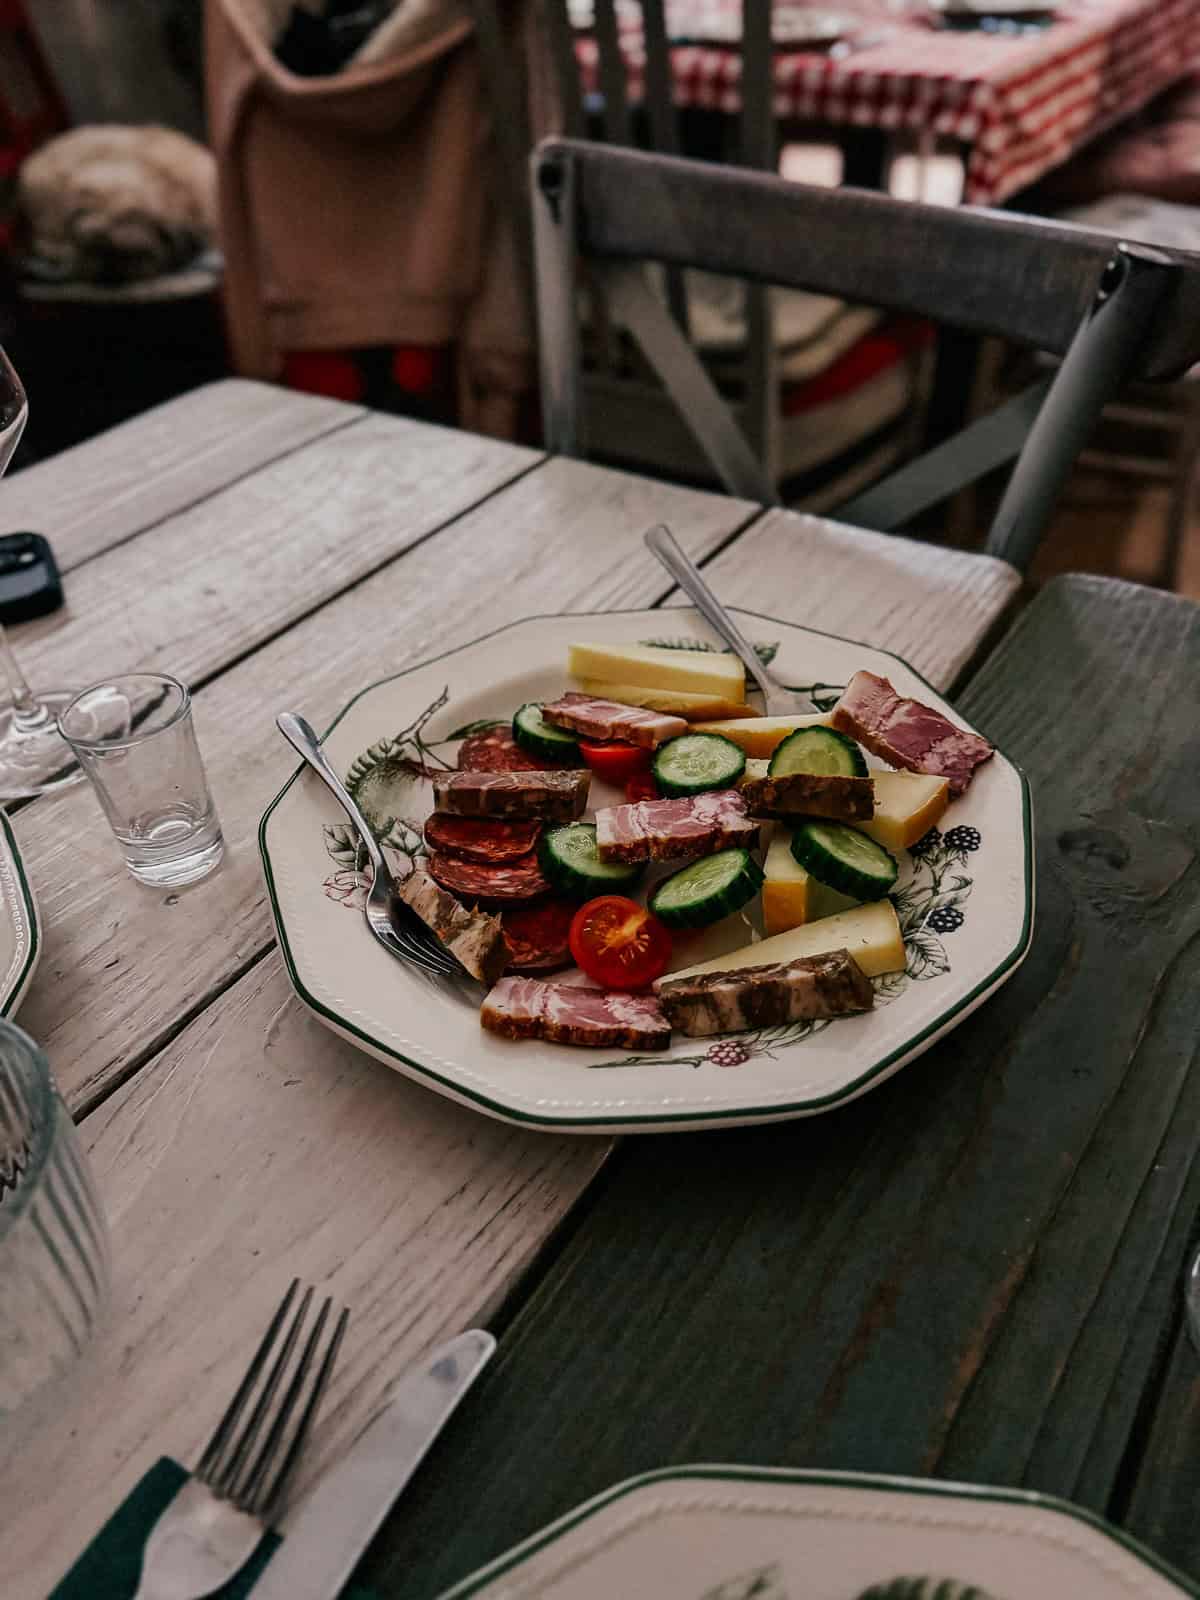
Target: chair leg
{"type": "Point", "coordinates": [1183, 487]}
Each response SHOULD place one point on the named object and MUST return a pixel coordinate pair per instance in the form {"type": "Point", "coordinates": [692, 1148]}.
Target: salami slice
{"type": "Point", "coordinates": [537, 936]}
{"type": "Point", "coordinates": [489, 842]}
{"type": "Point", "coordinates": [476, 884]}
{"type": "Point", "coordinates": [495, 750]}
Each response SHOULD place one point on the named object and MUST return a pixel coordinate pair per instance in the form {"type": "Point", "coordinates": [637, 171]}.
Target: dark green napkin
{"type": "Point", "coordinates": [109, 1568]}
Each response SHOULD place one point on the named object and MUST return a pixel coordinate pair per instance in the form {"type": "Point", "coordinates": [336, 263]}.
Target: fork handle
{"type": "Point", "coordinates": [299, 734]}
{"type": "Point", "coordinates": [662, 543]}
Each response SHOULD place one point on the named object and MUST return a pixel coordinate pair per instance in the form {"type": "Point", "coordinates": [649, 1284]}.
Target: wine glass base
{"type": "Point", "coordinates": [36, 759]}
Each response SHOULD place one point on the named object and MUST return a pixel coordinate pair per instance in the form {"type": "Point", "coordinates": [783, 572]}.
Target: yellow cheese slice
{"type": "Point", "coordinates": [758, 736]}
{"type": "Point", "coordinates": [907, 805]}
{"type": "Point", "coordinates": [676, 702]}
{"type": "Point", "coordinates": [790, 895]}
{"type": "Point", "coordinates": [655, 667]}
{"type": "Point", "coordinates": [871, 934]}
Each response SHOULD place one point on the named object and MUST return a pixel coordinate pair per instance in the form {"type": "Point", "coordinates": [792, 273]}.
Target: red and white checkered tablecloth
{"type": "Point", "coordinates": [1020, 105]}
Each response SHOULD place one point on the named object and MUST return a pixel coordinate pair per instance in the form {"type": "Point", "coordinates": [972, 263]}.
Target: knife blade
{"type": "Point", "coordinates": [335, 1524]}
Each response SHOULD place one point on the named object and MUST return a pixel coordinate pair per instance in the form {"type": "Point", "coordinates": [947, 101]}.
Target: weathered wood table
{"type": "Point", "coordinates": [973, 1271]}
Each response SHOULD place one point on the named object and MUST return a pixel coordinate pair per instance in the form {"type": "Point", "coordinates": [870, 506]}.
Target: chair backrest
{"type": "Point", "coordinates": [1113, 311]}
{"type": "Point", "coordinates": [649, 119]}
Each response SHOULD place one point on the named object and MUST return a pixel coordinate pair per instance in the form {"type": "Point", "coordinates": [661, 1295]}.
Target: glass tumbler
{"type": "Point", "coordinates": [134, 738]}
{"type": "Point", "coordinates": [54, 1262]}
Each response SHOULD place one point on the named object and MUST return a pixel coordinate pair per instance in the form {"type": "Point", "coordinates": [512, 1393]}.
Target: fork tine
{"type": "Point", "coordinates": [216, 1445]}
{"type": "Point", "coordinates": [226, 1473]}
{"type": "Point", "coordinates": [244, 1489]}
{"type": "Point", "coordinates": [421, 947]}
{"type": "Point", "coordinates": [272, 1495]}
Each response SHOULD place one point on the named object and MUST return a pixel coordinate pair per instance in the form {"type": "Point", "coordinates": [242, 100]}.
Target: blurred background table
{"type": "Point", "coordinates": [1016, 106]}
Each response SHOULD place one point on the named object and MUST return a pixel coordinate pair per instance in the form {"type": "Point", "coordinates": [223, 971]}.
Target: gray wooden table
{"type": "Point", "coordinates": [972, 1271]}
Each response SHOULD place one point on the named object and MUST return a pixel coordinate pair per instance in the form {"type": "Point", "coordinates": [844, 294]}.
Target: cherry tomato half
{"type": "Point", "coordinates": [619, 943]}
{"type": "Point", "coordinates": [615, 762]}
{"type": "Point", "coordinates": [641, 787]}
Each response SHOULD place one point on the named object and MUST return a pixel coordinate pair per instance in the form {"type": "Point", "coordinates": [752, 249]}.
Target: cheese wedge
{"type": "Point", "coordinates": [758, 736]}
{"type": "Point", "coordinates": [791, 896]}
{"type": "Point", "coordinates": [870, 933]}
{"type": "Point", "coordinates": [907, 805]}
{"type": "Point", "coordinates": [656, 667]}
{"type": "Point", "coordinates": [676, 702]}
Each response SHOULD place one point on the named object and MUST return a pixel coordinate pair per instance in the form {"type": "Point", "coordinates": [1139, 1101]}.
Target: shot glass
{"type": "Point", "coordinates": [135, 740]}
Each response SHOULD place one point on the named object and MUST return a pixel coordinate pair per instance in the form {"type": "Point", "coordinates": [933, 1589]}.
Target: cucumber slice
{"type": "Point", "coordinates": [695, 762]}
{"type": "Point", "coordinates": [707, 890]}
{"type": "Point", "coordinates": [820, 750]}
{"type": "Point", "coordinates": [568, 859]}
{"type": "Point", "coordinates": [843, 858]}
{"type": "Point", "coordinates": [533, 733]}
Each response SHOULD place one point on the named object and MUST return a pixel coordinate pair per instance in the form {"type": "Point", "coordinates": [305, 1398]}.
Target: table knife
{"type": "Point", "coordinates": [338, 1520]}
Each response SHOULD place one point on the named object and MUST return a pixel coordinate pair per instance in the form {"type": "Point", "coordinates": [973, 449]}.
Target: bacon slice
{"type": "Point", "coordinates": [655, 830]}
{"type": "Point", "coordinates": [476, 939]}
{"type": "Point", "coordinates": [527, 1008]}
{"type": "Point", "coordinates": [811, 794]}
{"type": "Point", "coordinates": [549, 796]}
{"type": "Point", "coordinates": [831, 985]}
{"type": "Point", "coordinates": [608, 719]}
{"type": "Point", "coordinates": [906, 733]}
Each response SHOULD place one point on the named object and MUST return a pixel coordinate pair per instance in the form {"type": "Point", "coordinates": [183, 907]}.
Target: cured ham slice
{"type": "Point", "coordinates": [546, 796]}
{"type": "Point", "coordinates": [527, 1008]}
{"type": "Point", "coordinates": [656, 830]}
{"type": "Point", "coordinates": [811, 794]}
{"type": "Point", "coordinates": [608, 719]}
{"type": "Point", "coordinates": [476, 939]}
{"type": "Point", "coordinates": [906, 733]}
{"type": "Point", "coordinates": [831, 985]}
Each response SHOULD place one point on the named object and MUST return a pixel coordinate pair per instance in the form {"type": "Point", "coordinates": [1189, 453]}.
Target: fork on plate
{"type": "Point", "coordinates": [212, 1526]}
{"type": "Point", "coordinates": [778, 701]}
{"type": "Point", "coordinates": [398, 928]}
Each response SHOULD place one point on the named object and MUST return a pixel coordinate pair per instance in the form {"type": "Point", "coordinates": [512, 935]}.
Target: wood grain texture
{"type": "Point", "coordinates": [203, 587]}
{"type": "Point", "coordinates": [259, 1146]}
{"type": "Point", "coordinates": [968, 1273]}
{"type": "Point", "coordinates": [113, 486]}
{"type": "Point", "coordinates": [932, 606]}
{"type": "Point", "coordinates": [122, 964]}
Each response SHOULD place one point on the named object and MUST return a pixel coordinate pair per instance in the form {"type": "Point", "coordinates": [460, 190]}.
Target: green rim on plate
{"type": "Point", "coordinates": [774, 1112]}
{"type": "Point", "coordinates": [929, 1488]}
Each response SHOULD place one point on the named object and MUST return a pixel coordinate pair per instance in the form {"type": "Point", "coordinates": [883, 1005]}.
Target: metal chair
{"type": "Point", "coordinates": [1112, 311]}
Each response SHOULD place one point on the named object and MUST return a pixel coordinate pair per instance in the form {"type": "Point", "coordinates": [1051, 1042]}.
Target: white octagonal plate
{"type": "Point", "coordinates": [20, 931]}
{"type": "Point", "coordinates": [965, 899]}
{"type": "Point", "coordinates": [749, 1533]}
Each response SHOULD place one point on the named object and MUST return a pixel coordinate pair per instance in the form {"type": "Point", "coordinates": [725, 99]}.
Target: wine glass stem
{"type": "Point", "coordinates": [27, 713]}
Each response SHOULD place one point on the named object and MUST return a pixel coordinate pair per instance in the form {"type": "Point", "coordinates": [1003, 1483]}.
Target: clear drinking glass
{"type": "Point", "coordinates": [133, 737]}
{"type": "Point", "coordinates": [54, 1261]}
{"type": "Point", "coordinates": [33, 757]}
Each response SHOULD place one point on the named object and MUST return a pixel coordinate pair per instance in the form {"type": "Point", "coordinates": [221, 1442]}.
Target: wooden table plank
{"type": "Point", "coordinates": [930, 605]}
{"type": "Point", "coordinates": [211, 583]}
{"type": "Point", "coordinates": [966, 1273]}
{"type": "Point", "coordinates": [260, 1145]}
{"type": "Point", "coordinates": [123, 965]}
{"type": "Point", "coordinates": [111, 487]}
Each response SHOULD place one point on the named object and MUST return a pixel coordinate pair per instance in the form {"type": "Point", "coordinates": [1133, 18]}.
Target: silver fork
{"type": "Point", "coordinates": [398, 928]}
{"type": "Point", "coordinates": [777, 701]}
{"type": "Point", "coordinates": [211, 1528]}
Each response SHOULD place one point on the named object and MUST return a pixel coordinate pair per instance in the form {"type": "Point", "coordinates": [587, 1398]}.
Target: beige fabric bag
{"type": "Point", "coordinates": [362, 209]}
